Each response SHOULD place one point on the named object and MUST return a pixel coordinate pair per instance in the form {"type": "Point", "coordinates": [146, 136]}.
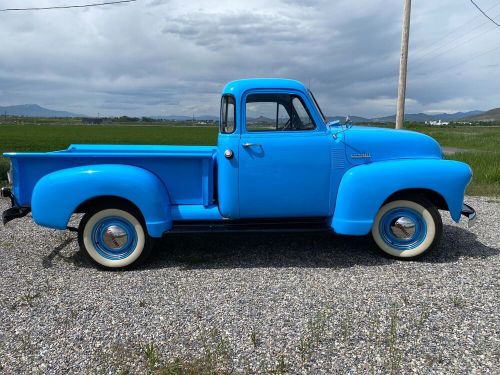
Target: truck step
{"type": "Point", "coordinates": [285, 225]}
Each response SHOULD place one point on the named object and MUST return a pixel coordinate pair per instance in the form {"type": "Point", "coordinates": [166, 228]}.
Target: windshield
{"type": "Point", "coordinates": [318, 108]}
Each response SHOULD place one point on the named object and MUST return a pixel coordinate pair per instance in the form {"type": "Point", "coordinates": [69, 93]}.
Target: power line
{"type": "Point", "coordinates": [491, 19]}
{"type": "Point", "coordinates": [69, 6]}
{"type": "Point", "coordinates": [474, 57]}
{"type": "Point", "coordinates": [436, 45]}
{"type": "Point", "coordinates": [416, 63]}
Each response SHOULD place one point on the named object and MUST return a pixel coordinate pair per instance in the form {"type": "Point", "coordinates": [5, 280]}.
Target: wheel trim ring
{"type": "Point", "coordinates": [395, 242]}
{"type": "Point", "coordinates": [99, 231]}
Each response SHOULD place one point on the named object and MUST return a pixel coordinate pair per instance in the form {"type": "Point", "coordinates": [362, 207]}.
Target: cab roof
{"type": "Point", "coordinates": [238, 87]}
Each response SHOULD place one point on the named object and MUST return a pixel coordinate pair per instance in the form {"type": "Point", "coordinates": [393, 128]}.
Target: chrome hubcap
{"type": "Point", "coordinates": [115, 237]}
{"type": "Point", "coordinates": [403, 228]}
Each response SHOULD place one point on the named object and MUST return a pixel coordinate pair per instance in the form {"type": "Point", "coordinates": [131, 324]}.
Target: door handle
{"type": "Point", "coordinates": [246, 145]}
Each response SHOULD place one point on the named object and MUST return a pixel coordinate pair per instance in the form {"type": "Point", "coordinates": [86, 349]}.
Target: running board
{"type": "Point", "coordinates": [250, 226]}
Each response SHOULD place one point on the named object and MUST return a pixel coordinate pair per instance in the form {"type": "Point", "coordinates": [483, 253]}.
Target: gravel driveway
{"type": "Point", "coordinates": [249, 303]}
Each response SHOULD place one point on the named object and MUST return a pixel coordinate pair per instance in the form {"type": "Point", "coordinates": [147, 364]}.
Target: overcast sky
{"type": "Point", "coordinates": [158, 57]}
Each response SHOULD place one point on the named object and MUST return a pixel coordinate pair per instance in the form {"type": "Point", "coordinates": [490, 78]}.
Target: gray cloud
{"type": "Point", "coordinates": [157, 57]}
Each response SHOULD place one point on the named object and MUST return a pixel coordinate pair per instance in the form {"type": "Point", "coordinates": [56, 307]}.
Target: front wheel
{"type": "Point", "coordinates": [114, 237]}
{"type": "Point", "coordinates": [407, 229]}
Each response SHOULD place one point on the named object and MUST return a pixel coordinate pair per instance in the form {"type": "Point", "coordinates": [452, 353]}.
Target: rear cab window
{"type": "Point", "coordinates": [228, 115]}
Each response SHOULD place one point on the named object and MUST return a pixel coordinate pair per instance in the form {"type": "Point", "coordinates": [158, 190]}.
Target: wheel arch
{"type": "Point", "coordinates": [60, 194]}
{"type": "Point", "coordinates": [106, 200]}
{"type": "Point", "coordinates": [364, 189]}
{"type": "Point", "coordinates": [431, 195]}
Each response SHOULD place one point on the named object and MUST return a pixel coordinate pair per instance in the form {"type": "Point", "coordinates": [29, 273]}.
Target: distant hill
{"type": "Point", "coordinates": [34, 110]}
{"type": "Point", "coordinates": [417, 117]}
{"type": "Point", "coordinates": [422, 117]}
{"type": "Point", "coordinates": [491, 115]}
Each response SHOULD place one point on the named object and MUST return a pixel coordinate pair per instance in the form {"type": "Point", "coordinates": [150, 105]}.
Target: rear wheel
{"type": "Point", "coordinates": [407, 228]}
{"type": "Point", "coordinates": [114, 237]}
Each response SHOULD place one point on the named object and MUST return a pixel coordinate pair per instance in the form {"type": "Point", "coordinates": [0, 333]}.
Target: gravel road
{"type": "Point", "coordinates": [253, 304]}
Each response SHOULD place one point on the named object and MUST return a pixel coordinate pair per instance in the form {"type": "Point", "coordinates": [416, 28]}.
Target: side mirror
{"type": "Point", "coordinates": [348, 122]}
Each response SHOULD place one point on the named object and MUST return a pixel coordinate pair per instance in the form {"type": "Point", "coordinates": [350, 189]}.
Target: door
{"type": "Point", "coordinates": [284, 159]}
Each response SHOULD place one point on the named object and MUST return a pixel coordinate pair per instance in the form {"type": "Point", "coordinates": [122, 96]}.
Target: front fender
{"type": "Point", "coordinates": [364, 189]}
{"type": "Point", "coordinates": [57, 195]}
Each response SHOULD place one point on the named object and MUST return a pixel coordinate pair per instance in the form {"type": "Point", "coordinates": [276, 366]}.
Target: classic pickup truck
{"type": "Point", "coordinates": [279, 165]}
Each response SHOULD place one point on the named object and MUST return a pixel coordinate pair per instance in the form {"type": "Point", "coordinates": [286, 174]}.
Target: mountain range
{"type": "Point", "coordinates": [34, 110]}
{"type": "Point", "coordinates": [416, 117]}
{"type": "Point", "coordinates": [491, 115]}
{"type": "Point", "coordinates": [422, 117]}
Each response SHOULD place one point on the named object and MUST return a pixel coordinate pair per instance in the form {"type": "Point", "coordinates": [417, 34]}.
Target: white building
{"type": "Point", "coordinates": [437, 123]}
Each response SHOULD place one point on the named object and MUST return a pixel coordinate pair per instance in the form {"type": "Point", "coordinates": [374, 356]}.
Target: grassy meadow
{"type": "Point", "coordinates": [480, 144]}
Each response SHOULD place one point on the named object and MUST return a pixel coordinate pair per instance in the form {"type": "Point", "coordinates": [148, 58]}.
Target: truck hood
{"type": "Point", "coordinates": [369, 144]}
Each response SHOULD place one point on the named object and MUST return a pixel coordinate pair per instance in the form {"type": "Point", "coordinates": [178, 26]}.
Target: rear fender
{"type": "Point", "coordinates": [57, 195]}
{"type": "Point", "coordinates": [365, 188]}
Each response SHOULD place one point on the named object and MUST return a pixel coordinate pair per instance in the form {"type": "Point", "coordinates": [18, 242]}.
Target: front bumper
{"type": "Point", "coordinates": [470, 214]}
{"type": "Point", "coordinates": [15, 212]}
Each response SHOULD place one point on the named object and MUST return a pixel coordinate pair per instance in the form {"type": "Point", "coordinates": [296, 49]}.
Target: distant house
{"type": "Point", "coordinates": [437, 123]}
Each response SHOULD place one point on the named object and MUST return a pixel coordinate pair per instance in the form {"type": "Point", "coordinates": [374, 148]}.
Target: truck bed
{"type": "Point", "coordinates": [187, 171]}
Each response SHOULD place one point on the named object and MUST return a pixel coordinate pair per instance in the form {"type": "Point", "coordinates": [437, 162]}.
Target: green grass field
{"type": "Point", "coordinates": [481, 143]}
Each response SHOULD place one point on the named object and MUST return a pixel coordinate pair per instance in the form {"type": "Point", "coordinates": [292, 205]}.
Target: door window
{"type": "Point", "coordinates": [276, 112]}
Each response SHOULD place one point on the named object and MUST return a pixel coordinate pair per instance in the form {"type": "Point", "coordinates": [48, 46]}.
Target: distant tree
{"type": "Point", "coordinates": [126, 119]}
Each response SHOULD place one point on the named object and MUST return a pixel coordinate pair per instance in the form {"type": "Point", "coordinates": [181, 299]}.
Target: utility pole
{"type": "Point", "coordinates": [403, 63]}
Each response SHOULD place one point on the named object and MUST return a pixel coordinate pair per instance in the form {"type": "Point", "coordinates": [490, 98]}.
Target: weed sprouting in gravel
{"type": "Point", "coordinates": [6, 245]}
{"type": "Point", "coordinates": [152, 355]}
{"type": "Point", "coordinates": [254, 338]}
{"type": "Point", "coordinates": [346, 326]}
{"type": "Point", "coordinates": [217, 350]}
{"type": "Point", "coordinates": [215, 359]}
{"type": "Point", "coordinates": [372, 333]}
{"type": "Point", "coordinates": [431, 360]}
{"type": "Point", "coordinates": [116, 359]}
{"type": "Point", "coordinates": [29, 298]}
{"type": "Point", "coordinates": [424, 315]}
{"type": "Point", "coordinates": [281, 366]}
{"type": "Point", "coordinates": [312, 338]}
{"type": "Point", "coordinates": [458, 301]}
{"type": "Point", "coordinates": [394, 355]}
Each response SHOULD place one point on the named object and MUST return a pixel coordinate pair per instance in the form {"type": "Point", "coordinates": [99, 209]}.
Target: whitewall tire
{"type": "Point", "coordinates": [114, 238]}
{"type": "Point", "coordinates": [407, 228]}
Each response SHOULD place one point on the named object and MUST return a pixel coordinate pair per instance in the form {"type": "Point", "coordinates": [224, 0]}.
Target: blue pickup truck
{"type": "Point", "coordinates": [279, 165]}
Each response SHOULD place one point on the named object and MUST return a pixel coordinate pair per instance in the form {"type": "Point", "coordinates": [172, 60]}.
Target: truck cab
{"type": "Point", "coordinates": [275, 152]}
{"type": "Point", "coordinates": [279, 165]}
